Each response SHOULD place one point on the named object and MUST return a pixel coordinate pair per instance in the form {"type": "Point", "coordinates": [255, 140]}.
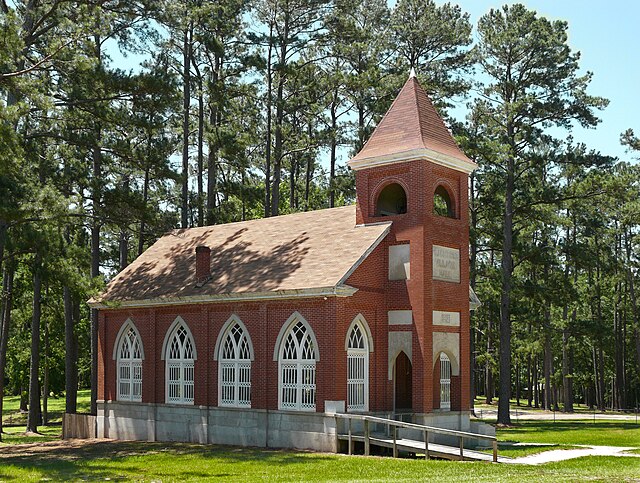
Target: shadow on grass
{"type": "Point", "coordinates": [124, 460]}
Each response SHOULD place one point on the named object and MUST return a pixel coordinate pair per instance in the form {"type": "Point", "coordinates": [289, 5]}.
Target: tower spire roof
{"type": "Point", "coordinates": [411, 129]}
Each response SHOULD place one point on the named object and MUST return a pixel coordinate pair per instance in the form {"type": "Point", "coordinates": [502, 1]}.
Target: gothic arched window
{"type": "Point", "coordinates": [297, 367]}
{"type": "Point", "coordinates": [129, 364]}
{"type": "Point", "coordinates": [357, 368]}
{"type": "Point", "coordinates": [234, 366]}
{"type": "Point", "coordinates": [180, 357]}
{"type": "Point", "coordinates": [445, 381]}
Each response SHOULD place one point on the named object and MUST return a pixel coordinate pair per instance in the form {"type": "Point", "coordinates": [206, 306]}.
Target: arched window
{"type": "Point", "coordinates": [445, 381]}
{"type": "Point", "coordinates": [392, 200]}
{"type": "Point", "coordinates": [180, 356]}
{"type": "Point", "coordinates": [235, 353]}
{"type": "Point", "coordinates": [129, 362]}
{"type": "Point", "coordinates": [442, 205]}
{"type": "Point", "coordinates": [357, 369]}
{"type": "Point", "coordinates": [297, 367]}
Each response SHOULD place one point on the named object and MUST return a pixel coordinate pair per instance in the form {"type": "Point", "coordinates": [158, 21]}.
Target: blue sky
{"type": "Point", "coordinates": [607, 35]}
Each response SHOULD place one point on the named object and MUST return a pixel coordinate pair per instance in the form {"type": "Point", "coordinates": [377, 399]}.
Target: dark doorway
{"type": "Point", "coordinates": [403, 383]}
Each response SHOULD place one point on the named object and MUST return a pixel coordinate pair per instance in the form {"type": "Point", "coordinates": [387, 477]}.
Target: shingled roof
{"type": "Point", "coordinates": [301, 254]}
{"type": "Point", "coordinates": [411, 128]}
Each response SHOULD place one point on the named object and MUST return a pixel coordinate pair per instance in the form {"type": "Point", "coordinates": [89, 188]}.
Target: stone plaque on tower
{"type": "Point", "coordinates": [446, 264]}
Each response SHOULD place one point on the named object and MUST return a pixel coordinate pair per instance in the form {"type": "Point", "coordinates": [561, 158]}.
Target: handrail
{"type": "Point", "coordinates": [402, 424]}
{"type": "Point", "coordinates": [425, 429]}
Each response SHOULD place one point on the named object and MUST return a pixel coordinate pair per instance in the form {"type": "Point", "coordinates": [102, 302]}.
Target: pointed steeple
{"type": "Point", "coordinates": [411, 129]}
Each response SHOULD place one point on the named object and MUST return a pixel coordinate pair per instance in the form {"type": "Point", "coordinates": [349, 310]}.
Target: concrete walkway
{"type": "Point", "coordinates": [541, 415]}
{"type": "Point", "coordinates": [567, 454]}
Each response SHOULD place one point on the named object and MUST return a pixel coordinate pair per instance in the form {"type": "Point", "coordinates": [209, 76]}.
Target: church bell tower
{"type": "Point", "coordinates": [411, 172]}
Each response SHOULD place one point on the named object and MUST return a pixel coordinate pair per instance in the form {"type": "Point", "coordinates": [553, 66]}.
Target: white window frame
{"type": "Point", "coordinates": [358, 365]}
{"type": "Point", "coordinates": [445, 382]}
{"type": "Point", "coordinates": [297, 375]}
{"type": "Point", "coordinates": [127, 361]}
{"type": "Point", "coordinates": [234, 374]}
{"type": "Point", "coordinates": [180, 371]}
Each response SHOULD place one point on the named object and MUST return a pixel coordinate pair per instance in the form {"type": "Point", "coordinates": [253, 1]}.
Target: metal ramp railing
{"type": "Point", "coordinates": [390, 439]}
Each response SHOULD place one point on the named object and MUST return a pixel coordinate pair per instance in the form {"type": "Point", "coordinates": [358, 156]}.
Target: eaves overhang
{"type": "Point", "coordinates": [336, 291]}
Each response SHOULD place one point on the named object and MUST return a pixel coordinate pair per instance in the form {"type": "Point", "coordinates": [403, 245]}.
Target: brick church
{"type": "Point", "coordinates": [256, 333]}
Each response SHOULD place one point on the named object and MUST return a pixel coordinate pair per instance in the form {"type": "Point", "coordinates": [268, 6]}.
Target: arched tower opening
{"type": "Point", "coordinates": [392, 200]}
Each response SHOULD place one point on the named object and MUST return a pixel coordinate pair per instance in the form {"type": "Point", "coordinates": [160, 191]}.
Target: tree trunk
{"type": "Point", "coordinates": [517, 384]}
{"type": "Point", "coordinates": [7, 295]}
{"type": "Point", "coordinates": [269, 106]}
{"type": "Point", "coordinates": [34, 373]}
{"type": "Point", "coordinates": [278, 140]}
{"type": "Point", "coordinates": [123, 250]}
{"type": "Point", "coordinates": [45, 382]}
{"type": "Point", "coordinates": [529, 381]}
{"type": "Point", "coordinates": [504, 396]}
{"type": "Point", "coordinates": [212, 172]}
{"type": "Point", "coordinates": [70, 356]}
{"type": "Point", "coordinates": [618, 324]}
{"type": "Point", "coordinates": [145, 200]}
{"type": "Point", "coordinates": [200, 153]}
{"type": "Point", "coordinates": [361, 127]}
{"type": "Point", "coordinates": [567, 376]}
{"type": "Point", "coordinates": [96, 200]}
{"type": "Point", "coordinates": [536, 384]}
{"type": "Point", "coordinates": [334, 145]}
{"type": "Point", "coordinates": [186, 102]}
{"type": "Point", "coordinates": [488, 372]}
{"type": "Point", "coordinates": [3, 239]}
{"type": "Point", "coordinates": [548, 358]}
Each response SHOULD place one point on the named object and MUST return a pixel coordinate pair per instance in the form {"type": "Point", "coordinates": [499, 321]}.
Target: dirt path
{"type": "Point", "coordinates": [59, 447]}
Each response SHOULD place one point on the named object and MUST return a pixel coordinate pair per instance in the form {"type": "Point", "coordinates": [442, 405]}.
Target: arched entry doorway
{"type": "Point", "coordinates": [403, 379]}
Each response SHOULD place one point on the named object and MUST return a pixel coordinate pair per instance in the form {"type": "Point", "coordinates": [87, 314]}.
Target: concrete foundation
{"type": "Point", "coordinates": [215, 425]}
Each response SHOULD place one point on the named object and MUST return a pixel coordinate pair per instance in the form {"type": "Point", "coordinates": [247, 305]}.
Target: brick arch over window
{"type": "Point", "coordinates": [453, 359]}
{"type": "Point", "coordinates": [358, 345]}
{"type": "Point", "coordinates": [179, 354]}
{"type": "Point", "coordinates": [291, 321]}
{"type": "Point", "coordinates": [444, 200]}
{"type": "Point", "coordinates": [297, 352]}
{"type": "Point", "coordinates": [359, 319]}
{"type": "Point", "coordinates": [128, 352]}
{"type": "Point", "coordinates": [390, 197]}
{"type": "Point", "coordinates": [234, 353]}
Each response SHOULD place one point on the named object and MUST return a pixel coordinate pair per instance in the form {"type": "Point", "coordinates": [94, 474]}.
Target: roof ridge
{"type": "Point", "coordinates": [298, 213]}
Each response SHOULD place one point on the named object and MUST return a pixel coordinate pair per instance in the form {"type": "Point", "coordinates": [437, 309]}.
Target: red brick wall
{"type": "Point", "coordinates": [330, 317]}
{"type": "Point", "coordinates": [422, 229]}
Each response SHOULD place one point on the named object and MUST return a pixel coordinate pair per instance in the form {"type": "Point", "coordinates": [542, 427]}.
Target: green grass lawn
{"type": "Point", "coordinates": [16, 435]}
{"type": "Point", "coordinates": [183, 462]}
{"type": "Point", "coordinates": [602, 433]}
{"type": "Point", "coordinates": [141, 461]}
{"type": "Point", "coordinates": [11, 408]}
